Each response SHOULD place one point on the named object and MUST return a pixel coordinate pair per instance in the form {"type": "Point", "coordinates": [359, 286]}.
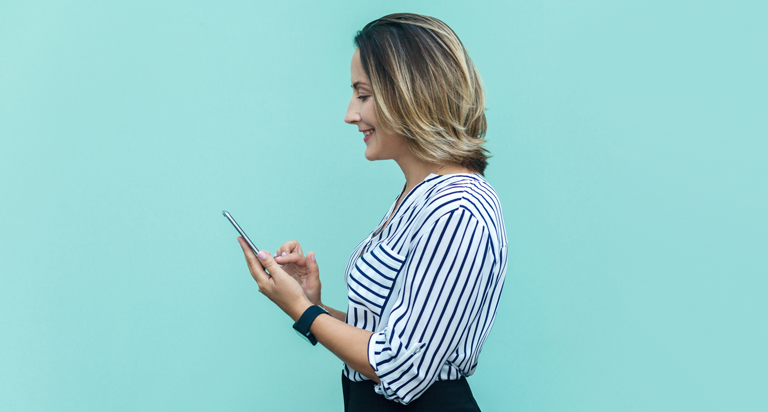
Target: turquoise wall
{"type": "Point", "coordinates": [629, 144]}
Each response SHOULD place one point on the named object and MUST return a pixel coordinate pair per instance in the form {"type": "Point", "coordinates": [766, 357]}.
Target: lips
{"type": "Point", "coordinates": [367, 134]}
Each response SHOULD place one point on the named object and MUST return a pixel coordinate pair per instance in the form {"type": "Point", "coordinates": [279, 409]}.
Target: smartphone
{"type": "Point", "coordinates": [247, 240]}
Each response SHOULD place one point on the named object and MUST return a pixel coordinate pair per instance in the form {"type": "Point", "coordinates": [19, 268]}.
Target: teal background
{"type": "Point", "coordinates": [629, 141]}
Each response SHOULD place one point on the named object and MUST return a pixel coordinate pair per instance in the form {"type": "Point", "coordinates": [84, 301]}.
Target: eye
{"type": "Point", "coordinates": [363, 98]}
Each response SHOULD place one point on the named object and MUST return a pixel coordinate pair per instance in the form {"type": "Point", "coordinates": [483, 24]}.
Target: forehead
{"type": "Point", "coordinates": [358, 74]}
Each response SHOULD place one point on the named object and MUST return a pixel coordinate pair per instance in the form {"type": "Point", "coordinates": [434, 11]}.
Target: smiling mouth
{"type": "Point", "coordinates": [367, 134]}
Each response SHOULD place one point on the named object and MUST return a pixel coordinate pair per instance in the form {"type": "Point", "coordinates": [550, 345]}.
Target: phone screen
{"type": "Point", "coordinates": [237, 227]}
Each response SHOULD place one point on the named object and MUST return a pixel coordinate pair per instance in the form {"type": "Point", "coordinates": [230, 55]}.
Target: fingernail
{"type": "Point", "coordinates": [262, 255]}
{"type": "Point", "coordinates": [283, 254]}
{"type": "Point", "coordinates": [313, 256]}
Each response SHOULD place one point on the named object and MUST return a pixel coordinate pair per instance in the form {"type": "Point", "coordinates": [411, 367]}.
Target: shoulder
{"type": "Point", "coordinates": [462, 196]}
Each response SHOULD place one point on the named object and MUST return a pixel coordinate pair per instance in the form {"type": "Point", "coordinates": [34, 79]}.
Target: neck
{"type": "Point", "coordinates": [416, 170]}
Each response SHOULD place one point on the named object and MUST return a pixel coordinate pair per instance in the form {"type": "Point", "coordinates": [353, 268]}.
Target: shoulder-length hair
{"type": "Point", "coordinates": [426, 88]}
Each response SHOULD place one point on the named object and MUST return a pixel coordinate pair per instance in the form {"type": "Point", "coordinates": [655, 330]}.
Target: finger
{"type": "Point", "coordinates": [292, 258]}
{"type": "Point", "coordinates": [291, 246]}
{"type": "Point", "coordinates": [285, 247]}
{"type": "Point", "coordinates": [256, 269]}
{"type": "Point", "coordinates": [268, 262]}
{"type": "Point", "coordinates": [313, 271]}
{"type": "Point", "coordinates": [278, 254]}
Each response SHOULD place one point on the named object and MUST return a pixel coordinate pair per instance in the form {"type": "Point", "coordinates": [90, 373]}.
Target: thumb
{"type": "Point", "coordinates": [313, 271]}
{"type": "Point", "coordinates": [269, 264]}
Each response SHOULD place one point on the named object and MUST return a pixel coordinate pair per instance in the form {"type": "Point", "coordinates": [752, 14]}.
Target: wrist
{"type": "Point", "coordinates": [305, 321]}
{"type": "Point", "coordinates": [299, 309]}
{"type": "Point", "coordinates": [318, 301]}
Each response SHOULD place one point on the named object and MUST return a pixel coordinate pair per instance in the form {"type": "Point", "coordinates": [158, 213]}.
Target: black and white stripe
{"type": "Point", "coordinates": [429, 284]}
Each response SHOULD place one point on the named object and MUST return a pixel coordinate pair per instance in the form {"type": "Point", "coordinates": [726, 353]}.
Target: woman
{"type": "Point", "coordinates": [424, 286]}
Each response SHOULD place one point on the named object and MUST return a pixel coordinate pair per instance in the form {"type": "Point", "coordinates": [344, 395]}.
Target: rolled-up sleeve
{"type": "Point", "coordinates": [446, 276]}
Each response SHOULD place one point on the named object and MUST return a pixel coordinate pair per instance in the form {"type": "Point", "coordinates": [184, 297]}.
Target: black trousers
{"type": "Point", "coordinates": [443, 396]}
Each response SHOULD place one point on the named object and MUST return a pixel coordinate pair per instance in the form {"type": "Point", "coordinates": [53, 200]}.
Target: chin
{"type": "Point", "coordinates": [371, 155]}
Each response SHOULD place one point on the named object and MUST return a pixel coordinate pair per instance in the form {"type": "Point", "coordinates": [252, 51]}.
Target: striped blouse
{"type": "Point", "coordinates": [429, 284]}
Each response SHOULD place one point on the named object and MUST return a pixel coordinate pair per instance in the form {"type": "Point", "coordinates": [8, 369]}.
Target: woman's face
{"type": "Point", "coordinates": [379, 144]}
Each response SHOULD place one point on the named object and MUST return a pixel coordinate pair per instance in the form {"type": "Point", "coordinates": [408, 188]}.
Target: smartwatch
{"type": "Point", "coordinates": [305, 321]}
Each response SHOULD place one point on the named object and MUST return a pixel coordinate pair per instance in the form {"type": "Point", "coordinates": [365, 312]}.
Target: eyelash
{"type": "Point", "coordinates": [363, 98]}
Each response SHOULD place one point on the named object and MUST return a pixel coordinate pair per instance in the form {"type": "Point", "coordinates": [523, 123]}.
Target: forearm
{"type": "Point", "coordinates": [347, 342]}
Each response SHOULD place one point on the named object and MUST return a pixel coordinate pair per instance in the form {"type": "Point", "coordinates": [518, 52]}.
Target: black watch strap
{"type": "Point", "coordinates": [305, 321]}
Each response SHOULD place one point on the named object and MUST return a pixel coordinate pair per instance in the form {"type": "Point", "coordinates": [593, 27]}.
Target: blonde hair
{"type": "Point", "coordinates": [426, 88]}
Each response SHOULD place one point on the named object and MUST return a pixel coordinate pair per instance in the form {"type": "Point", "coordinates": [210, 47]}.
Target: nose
{"type": "Point", "coordinates": [353, 114]}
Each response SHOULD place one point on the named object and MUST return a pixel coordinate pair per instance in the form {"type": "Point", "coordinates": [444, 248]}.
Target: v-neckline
{"type": "Point", "coordinates": [400, 201]}
{"type": "Point", "coordinates": [430, 177]}
{"type": "Point", "coordinates": [395, 210]}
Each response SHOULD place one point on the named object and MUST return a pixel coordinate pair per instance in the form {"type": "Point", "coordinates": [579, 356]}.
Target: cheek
{"type": "Point", "coordinates": [369, 111]}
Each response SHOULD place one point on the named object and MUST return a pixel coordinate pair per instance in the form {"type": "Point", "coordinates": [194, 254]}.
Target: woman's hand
{"type": "Point", "coordinates": [277, 285]}
{"type": "Point", "coordinates": [303, 269]}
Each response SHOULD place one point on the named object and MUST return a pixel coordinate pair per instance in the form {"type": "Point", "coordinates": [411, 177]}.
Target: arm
{"type": "Point", "coordinates": [347, 342]}
{"type": "Point", "coordinates": [337, 314]}
{"type": "Point", "coordinates": [445, 281]}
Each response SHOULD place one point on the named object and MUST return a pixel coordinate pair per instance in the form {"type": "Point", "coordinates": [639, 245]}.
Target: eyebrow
{"type": "Point", "coordinates": [355, 85]}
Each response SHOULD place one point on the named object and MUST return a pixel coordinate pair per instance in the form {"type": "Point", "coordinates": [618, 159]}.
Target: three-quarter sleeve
{"type": "Point", "coordinates": [447, 274]}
